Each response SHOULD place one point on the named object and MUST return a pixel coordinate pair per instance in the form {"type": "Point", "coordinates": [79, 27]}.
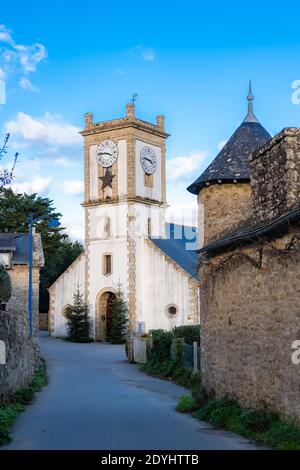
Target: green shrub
{"type": "Point", "coordinates": [262, 426]}
{"type": "Point", "coordinates": [186, 404]}
{"type": "Point", "coordinates": [282, 435]}
{"type": "Point", "coordinates": [189, 333]}
{"type": "Point", "coordinates": [182, 376]}
{"type": "Point", "coordinates": [5, 285]}
{"type": "Point", "coordinates": [198, 391]}
{"type": "Point", "coordinates": [224, 413]}
{"type": "Point", "coordinates": [9, 411]}
{"type": "Point", "coordinates": [161, 345]}
{"type": "Point", "coordinates": [118, 328]}
{"type": "Point", "coordinates": [257, 421]}
{"type": "Point", "coordinates": [8, 414]}
{"type": "Point", "coordinates": [78, 320]}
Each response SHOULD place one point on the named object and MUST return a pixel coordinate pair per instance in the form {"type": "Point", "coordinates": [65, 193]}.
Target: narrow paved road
{"type": "Point", "coordinates": [96, 400]}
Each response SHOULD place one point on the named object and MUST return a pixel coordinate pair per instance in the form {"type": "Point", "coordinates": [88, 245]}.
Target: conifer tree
{"type": "Point", "coordinates": [117, 332]}
{"type": "Point", "coordinates": [79, 323]}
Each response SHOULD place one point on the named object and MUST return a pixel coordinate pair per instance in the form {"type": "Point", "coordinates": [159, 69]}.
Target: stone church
{"type": "Point", "coordinates": [128, 244]}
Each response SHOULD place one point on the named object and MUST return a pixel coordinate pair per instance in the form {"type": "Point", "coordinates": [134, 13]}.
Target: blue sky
{"type": "Point", "coordinates": [188, 60]}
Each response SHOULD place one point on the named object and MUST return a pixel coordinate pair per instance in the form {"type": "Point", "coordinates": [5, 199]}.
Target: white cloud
{"type": "Point", "coordinates": [76, 232]}
{"type": "Point", "coordinates": [120, 71]}
{"type": "Point", "coordinates": [5, 35]}
{"type": "Point", "coordinates": [185, 165]}
{"type": "Point", "coordinates": [148, 55]}
{"type": "Point", "coordinates": [73, 187]}
{"type": "Point", "coordinates": [221, 144]}
{"type": "Point", "coordinates": [30, 56]}
{"type": "Point", "coordinates": [16, 59]}
{"type": "Point", "coordinates": [2, 74]}
{"type": "Point", "coordinates": [185, 212]}
{"type": "Point", "coordinates": [26, 84]}
{"type": "Point", "coordinates": [38, 185]}
{"type": "Point", "coordinates": [63, 162]}
{"type": "Point", "coordinates": [50, 129]}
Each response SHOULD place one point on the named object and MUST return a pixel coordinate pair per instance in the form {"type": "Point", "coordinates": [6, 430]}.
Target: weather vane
{"type": "Point", "coordinates": [134, 97]}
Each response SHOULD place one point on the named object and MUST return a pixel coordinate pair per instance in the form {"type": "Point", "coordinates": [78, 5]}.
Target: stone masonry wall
{"type": "Point", "coordinates": [43, 322]}
{"type": "Point", "coordinates": [275, 176]}
{"type": "Point", "coordinates": [22, 352]}
{"type": "Point", "coordinates": [225, 206]}
{"type": "Point", "coordinates": [250, 316]}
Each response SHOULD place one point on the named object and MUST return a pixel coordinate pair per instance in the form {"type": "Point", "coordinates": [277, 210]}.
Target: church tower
{"type": "Point", "coordinates": [129, 246]}
{"type": "Point", "coordinates": [223, 189]}
{"type": "Point", "coordinates": [124, 201]}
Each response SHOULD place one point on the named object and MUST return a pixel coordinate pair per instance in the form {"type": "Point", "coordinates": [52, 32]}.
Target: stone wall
{"type": "Point", "coordinates": [222, 207]}
{"type": "Point", "coordinates": [43, 322]}
{"type": "Point", "coordinates": [275, 175]}
{"type": "Point", "coordinates": [22, 352]}
{"type": "Point", "coordinates": [250, 316]}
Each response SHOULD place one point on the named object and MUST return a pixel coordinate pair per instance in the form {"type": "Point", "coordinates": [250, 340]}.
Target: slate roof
{"type": "Point", "coordinates": [18, 244]}
{"type": "Point", "coordinates": [232, 162]}
{"type": "Point", "coordinates": [176, 247]}
{"type": "Point", "coordinates": [250, 232]}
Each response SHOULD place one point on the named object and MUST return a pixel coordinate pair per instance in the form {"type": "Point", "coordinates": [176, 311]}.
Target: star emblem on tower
{"type": "Point", "coordinates": [107, 179]}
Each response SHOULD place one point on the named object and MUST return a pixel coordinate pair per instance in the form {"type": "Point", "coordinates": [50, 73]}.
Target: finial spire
{"type": "Point", "coordinates": [134, 97]}
{"type": "Point", "coordinates": [250, 115]}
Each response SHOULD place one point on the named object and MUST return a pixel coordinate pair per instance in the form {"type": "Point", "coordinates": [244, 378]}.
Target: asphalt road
{"type": "Point", "coordinates": [96, 400]}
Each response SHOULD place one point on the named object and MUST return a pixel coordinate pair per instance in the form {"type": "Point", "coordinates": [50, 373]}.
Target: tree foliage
{"type": "Point", "coordinates": [117, 331]}
{"type": "Point", "coordinates": [5, 285]}
{"type": "Point", "coordinates": [79, 323]}
{"type": "Point", "coordinates": [6, 175]}
{"type": "Point", "coordinates": [59, 250]}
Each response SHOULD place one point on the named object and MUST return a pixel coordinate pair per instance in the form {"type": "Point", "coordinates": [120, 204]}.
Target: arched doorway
{"type": "Point", "coordinates": [103, 314]}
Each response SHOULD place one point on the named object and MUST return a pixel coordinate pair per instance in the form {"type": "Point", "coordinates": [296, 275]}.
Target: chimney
{"type": "Point", "coordinates": [160, 122]}
{"type": "Point", "coordinates": [130, 110]}
{"type": "Point", "coordinates": [275, 175]}
{"type": "Point", "coordinates": [88, 120]}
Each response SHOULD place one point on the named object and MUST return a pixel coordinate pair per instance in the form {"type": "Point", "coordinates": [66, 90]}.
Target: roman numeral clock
{"type": "Point", "coordinates": [106, 155]}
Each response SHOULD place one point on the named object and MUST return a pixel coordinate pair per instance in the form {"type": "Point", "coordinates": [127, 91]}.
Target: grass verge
{"type": "Point", "coordinates": [169, 370]}
{"type": "Point", "coordinates": [261, 426]}
{"type": "Point", "coordinates": [10, 410]}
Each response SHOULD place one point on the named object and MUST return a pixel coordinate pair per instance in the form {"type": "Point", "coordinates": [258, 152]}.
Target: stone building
{"type": "Point", "coordinates": [250, 296]}
{"type": "Point", "coordinates": [223, 189]}
{"type": "Point", "coordinates": [20, 353]}
{"type": "Point", "coordinates": [127, 240]}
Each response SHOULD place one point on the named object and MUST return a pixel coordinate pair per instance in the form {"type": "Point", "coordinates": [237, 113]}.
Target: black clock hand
{"type": "Point", "coordinates": [148, 159]}
{"type": "Point", "coordinates": [105, 153]}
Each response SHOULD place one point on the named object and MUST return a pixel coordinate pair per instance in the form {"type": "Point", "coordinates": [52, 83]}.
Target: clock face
{"type": "Point", "coordinates": [148, 160]}
{"type": "Point", "coordinates": [107, 153]}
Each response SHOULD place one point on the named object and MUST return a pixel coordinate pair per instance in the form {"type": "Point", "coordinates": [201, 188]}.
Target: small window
{"type": "Point", "coordinates": [106, 227]}
{"type": "Point", "coordinates": [171, 311]}
{"type": "Point", "coordinates": [148, 180]}
{"type": "Point", "coordinates": [107, 265]}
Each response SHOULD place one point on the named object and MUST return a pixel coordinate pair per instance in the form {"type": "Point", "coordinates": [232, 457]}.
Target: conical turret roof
{"type": "Point", "coordinates": [231, 164]}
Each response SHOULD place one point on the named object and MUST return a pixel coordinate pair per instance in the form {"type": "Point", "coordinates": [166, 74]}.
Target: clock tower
{"type": "Point", "coordinates": [124, 201]}
{"type": "Point", "coordinates": [129, 247]}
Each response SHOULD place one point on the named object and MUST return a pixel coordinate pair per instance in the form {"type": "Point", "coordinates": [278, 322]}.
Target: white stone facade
{"type": "Point", "coordinates": [120, 222]}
